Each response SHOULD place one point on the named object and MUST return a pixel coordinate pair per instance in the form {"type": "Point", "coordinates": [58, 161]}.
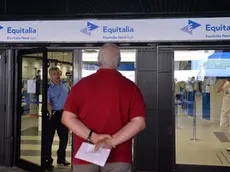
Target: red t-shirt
{"type": "Point", "coordinates": [105, 102]}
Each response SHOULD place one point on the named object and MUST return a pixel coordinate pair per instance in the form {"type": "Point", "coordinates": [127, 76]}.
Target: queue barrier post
{"type": "Point", "coordinates": [177, 104]}
{"type": "Point", "coordinates": [194, 120]}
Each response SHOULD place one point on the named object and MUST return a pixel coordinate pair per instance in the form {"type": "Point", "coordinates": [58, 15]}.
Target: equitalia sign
{"type": "Point", "coordinates": [18, 33]}
{"type": "Point", "coordinates": [90, 31]}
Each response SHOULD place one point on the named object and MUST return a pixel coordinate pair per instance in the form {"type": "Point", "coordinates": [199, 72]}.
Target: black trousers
{"type": "Point", "coordinates": [51, 126]}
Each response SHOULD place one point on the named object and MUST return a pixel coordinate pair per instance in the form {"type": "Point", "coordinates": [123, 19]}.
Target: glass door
{"type": "Point", "coordinates": [32, 105]}
{"type": "Point", "coordinates": [193, 109]}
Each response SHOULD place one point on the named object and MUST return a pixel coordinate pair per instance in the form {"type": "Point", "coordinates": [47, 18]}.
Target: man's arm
{"type": "Point", "coordinates": [71, 121]}
{"type": "Point", "coordinates": [136, 125]}
{"type": "Point", "coordinates": [129, 131]}
{"type": "Point", "coordinates": [221, 86]}
{"type": "Point", "coordinates": [49, 107]}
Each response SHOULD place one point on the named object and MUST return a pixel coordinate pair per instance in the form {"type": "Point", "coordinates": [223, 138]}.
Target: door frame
{"type": "Point", "coordinates": [19, 55]}
{"type": "Point", "coordinates": [167, 64]}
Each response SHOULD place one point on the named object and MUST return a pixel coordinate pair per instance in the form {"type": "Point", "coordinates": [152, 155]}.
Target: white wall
{"type": "Point", "coordinates": [29, 67]}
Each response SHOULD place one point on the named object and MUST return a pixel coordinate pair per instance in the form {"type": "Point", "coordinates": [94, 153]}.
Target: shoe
{"type": "Point", "coordinates": [65, 163]}
{"type": "Point", "coordinates": [228, 149]}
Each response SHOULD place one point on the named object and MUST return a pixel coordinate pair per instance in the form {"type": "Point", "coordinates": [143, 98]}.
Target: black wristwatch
{"type": "Point", "coordinates": [89, 136]}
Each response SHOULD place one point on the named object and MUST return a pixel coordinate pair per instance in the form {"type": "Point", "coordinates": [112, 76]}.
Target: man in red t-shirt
{"type": "Point", "coordinates": [105, 109]}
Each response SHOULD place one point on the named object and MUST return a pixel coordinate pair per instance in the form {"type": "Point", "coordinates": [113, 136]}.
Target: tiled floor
{"type": "Point", "coordinates": [31, 144]}
{"type": "Point", "coordinates": [31, 147]}
{"type": "Point", "coordinates": [208, 149]}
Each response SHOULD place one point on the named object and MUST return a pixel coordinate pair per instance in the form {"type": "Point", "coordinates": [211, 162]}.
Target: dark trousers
{"type": "Point", "coordinates": [52, 125]}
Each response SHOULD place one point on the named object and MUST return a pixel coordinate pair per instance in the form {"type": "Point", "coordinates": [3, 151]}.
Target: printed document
{"type": "Point", "coordinates": [87, 153]}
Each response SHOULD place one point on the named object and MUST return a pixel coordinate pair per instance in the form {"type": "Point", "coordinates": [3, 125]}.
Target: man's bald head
{"type": "Point", "coordinates": [109, 56]}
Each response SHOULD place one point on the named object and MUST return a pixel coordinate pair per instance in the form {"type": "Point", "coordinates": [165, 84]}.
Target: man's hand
{"type": "Point", "coordinates": [49, 116]}
{"type": "Point", "coordinates": [106, 143]}
{"type": "Point", "coordinates": [99, 137]}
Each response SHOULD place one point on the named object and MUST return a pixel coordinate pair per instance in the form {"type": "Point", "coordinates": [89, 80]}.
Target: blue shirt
{"type": "Point", "coordinates": [57, 95]}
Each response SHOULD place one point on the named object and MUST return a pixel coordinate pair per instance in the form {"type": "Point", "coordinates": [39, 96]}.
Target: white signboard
{"type": "Point", "coordinates": [146, 30]}
{"type": "Point", "coordinates": [31, 86]}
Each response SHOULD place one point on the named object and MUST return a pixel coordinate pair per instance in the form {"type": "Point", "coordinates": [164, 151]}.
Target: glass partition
{"type": "Point", "coordinates": [202, 107]}
{"type": "Point", "coordinates": [31, 103]}
{"type": "Point", "coordinates": [127, 65]}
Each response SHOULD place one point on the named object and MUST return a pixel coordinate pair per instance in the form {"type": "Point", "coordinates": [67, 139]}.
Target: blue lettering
{"type": "Point", "coordinates": [117, 29]}
{"type": "Point", "coordinates": [221, 27]}
{"type": "Point", "coordinates": [21, 30]}
{"type": "Point", "coordinates": [104, 28]}
{"type": "Point", "coordinates": [8, 29]}
{"type": "Point", "coordinates": [207, 27]}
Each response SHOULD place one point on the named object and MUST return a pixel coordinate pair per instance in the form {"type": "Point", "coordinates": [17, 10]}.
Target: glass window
{"type": "Point", "coordinates": [31, 103]}
{"type": "Point", "coordinates": [202, 107]}
{"type": "Point", "coordinates": [127, 65]}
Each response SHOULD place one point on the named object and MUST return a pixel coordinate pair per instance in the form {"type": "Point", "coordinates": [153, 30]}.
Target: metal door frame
{"type": "Point", "coordinates": [20, 162]}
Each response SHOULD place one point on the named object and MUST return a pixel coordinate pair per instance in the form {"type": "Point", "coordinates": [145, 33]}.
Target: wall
{"type": "Point", "coordinates": [2, 109]}
{"type": "Point", "coordinates": [146, 143]}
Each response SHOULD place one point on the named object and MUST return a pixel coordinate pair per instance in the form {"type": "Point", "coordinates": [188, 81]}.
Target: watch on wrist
{"type": "Point", "coordinates": [89, 136]}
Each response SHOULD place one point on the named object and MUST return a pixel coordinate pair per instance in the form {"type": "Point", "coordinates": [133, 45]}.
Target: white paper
{"type": "Point", "coordinates": [87, 153]}
{"type": "Point", "coordinates": [31, 86]}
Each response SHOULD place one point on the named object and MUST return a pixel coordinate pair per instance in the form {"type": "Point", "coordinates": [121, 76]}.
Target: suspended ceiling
{"type": "Point", "coordinates": [57, 8]}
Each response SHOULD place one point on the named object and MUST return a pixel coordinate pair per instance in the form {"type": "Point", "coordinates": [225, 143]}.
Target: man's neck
{"type": "Point", "coordinates": [56, 83]}
{"type": "Point", "coordinates": [102, 67]}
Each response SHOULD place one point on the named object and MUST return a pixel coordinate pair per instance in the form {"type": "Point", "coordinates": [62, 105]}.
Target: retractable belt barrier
{"type": "Point", "coordinates": [31, 102]}
{"type": "Point", "coordinates": [178, 103]}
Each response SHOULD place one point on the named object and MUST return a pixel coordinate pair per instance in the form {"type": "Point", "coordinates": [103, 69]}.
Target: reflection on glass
{"type": "Point", "coordinates": [30, 149]}
{"type": "Point", "coordinates": [62, 60]}
{"type": "Point", "coordinates": [202, 105]}
{"type": "Point", "coordinates": [127, 65]}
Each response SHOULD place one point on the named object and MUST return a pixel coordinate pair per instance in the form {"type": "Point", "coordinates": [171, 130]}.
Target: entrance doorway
{"type": "Point", "coordinates": [32, 114]}
{"type": "Point", "coordinates": [32, 77]}
{"type": "Point", "coordinates": [33, 80]}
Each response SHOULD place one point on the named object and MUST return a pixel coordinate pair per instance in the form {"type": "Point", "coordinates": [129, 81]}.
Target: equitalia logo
{"type": "Point", "coordinates": [89, 28]}
{"type": "Point", "coordinates": [190, 27]}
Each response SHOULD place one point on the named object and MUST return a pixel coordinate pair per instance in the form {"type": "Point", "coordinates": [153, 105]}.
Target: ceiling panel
{"type": "Point", "coordinates": [146, 6]}
{"type": "Point", "coordinates": [2, 6]}
{"type": "Point", "coordinates": [92, 8]}
{"type": "Point", "coordinates": [36, 7]}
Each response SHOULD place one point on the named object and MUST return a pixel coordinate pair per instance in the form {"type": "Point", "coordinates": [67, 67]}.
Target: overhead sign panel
{"type": "Point", "coordinates": [146, 30]}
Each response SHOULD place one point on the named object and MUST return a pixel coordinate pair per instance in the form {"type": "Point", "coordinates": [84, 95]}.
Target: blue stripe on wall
{"type": "Point", "coordinates": [122, 67]}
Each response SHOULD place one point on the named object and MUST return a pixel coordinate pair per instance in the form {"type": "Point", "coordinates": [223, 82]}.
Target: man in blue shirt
{"type": "Point", "coordinates": [57, 94]}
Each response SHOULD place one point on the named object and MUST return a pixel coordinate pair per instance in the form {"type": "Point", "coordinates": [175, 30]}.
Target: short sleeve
{"type": "Point", "coordinates": [137, 108]}
{"type": "Point", "coordinates": [72, 102]}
